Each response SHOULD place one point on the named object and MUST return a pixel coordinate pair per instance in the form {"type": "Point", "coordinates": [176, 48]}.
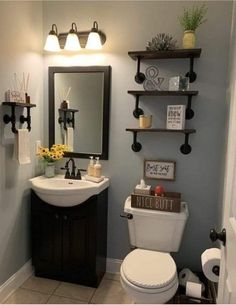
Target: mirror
{"type": "Point", "coordinates": [87, 90]}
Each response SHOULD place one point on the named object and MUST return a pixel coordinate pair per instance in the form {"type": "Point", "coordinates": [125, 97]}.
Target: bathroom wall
{"type": "Point", "coordinates": [21, 51]}
{"type": "Point", "coordinates": [128, 26]}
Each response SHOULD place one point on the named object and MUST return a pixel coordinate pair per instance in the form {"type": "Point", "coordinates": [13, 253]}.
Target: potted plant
{"type": "Point", "coordinates": [191, 19]}
{"type": "Point", "coordinates": [50, 156]}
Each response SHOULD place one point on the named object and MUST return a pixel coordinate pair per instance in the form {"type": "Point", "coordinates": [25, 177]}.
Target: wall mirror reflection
{"type": "Point", "coordinates": [79, 109]}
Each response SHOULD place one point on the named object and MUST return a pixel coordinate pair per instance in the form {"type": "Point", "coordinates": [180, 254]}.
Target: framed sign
{"type": "Point", "coordinates": [162, 170]}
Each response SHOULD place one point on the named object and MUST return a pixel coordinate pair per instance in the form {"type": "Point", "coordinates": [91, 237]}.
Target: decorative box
{"type": "Point", "coordinates": [15, 96]}
{"type": "Point", "coordinates": [170, 202]}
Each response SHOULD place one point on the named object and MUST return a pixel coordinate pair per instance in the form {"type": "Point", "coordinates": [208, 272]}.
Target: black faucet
{"type": "Point", "coordinates": [71, 174]}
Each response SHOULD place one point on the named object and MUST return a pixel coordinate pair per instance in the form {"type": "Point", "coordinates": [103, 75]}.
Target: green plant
{"type": "Point", "coordinates": [193, 17]}
{"type": "Point", "coordinates": [161, 42]}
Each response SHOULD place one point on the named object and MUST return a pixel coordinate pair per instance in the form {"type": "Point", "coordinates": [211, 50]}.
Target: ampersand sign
{"type": "Point", "coordinates": [152, 82]}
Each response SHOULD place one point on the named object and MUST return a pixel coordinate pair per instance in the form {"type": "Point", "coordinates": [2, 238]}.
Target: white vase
{"type": "Point", "coordinates": [189, 40]}
{"type": "Point", "coordinates": [49, 170]}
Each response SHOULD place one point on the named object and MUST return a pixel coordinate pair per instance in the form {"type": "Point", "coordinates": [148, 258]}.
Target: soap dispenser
{"type": "Point", "coordinates": [90, 170]}
{"type": "Point", "coordinates": [97, 169]}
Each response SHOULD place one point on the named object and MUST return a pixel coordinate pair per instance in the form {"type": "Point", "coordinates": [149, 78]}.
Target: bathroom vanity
{"type": "Point", "coordinates": [70, 243]}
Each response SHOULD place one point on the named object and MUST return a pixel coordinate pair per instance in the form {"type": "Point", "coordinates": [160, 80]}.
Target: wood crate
{"type": "Point", "coordinates": [170, 202]}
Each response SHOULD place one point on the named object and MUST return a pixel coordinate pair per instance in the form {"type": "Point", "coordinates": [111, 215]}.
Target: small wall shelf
{"type": "Point", "coordinates": [7, 119]}
{"type": "Point", "coordinates": [184, 148]}
{"type": "Point", "coordinates": [140, 78]}
{"type": "Point", "coordinates": [172, 54]}
{"type": "Point", "coordinates": [66, 120]}
{"type": "Point", "coordinates": [137, 93]}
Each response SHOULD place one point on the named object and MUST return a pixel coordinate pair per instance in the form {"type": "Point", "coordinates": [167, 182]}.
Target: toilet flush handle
{"type": "Point", "coordinates": [126, 215]}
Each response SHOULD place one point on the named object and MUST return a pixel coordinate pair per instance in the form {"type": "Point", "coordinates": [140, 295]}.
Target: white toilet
{"type": "Point", "coordinates": [148, 273]}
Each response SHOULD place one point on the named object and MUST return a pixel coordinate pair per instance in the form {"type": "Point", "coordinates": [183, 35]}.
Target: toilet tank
{"type": "Point", "coordinates": [156, 230]}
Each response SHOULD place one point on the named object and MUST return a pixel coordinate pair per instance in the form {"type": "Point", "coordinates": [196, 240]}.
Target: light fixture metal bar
{"type": "Point", "coordinates": [83, 37]}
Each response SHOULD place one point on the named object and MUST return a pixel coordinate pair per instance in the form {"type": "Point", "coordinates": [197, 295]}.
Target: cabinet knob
{"type": "Point", "coordinates": [56, 216]}
{"type": "Point", "coordinates": [65, 217]}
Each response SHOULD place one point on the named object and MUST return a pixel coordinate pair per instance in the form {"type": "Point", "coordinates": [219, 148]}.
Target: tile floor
{"type": "Point", "coordinates": [44, 291]}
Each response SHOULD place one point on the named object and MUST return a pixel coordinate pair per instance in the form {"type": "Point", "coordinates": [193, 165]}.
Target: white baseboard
{"type": "Point", "coordinates": [113, 265]}
{"type": "Point", "coordinates": [15, 281]}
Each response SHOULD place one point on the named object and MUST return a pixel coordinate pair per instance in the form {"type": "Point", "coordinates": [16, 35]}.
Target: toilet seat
{"type": "Point", "coordinates": [149, 270]}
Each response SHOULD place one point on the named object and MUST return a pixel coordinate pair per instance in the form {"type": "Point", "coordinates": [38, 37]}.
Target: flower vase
{"type": "Point", "coordinates": [189, 40]}
{"type": "Point", "coordinates": [49, 170]}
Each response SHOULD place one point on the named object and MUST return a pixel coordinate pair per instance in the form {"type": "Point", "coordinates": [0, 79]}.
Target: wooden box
{"type": "Point", "coordinates": [170, 202]}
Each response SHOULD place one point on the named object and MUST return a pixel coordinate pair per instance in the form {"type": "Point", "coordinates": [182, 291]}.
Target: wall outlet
{"type": "Point", "coordinates": [37, 146]}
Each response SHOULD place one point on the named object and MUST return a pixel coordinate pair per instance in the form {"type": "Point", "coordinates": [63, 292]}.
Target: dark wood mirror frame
{"type": "Point", "coordinates": [106, 106]}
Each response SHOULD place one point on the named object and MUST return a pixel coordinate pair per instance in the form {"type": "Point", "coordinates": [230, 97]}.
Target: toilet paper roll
{"type": "Point", "coordinates": [194, 289]}
{"type": "Point", "coordinates": [186, 275]}
{"type": "Point", "coordinates": [211, 261]}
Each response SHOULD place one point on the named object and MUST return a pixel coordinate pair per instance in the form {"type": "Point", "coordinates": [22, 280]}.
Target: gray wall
{"type": "Point", "coordinates": [21, 51]}
{"type": "Point", "coordinates": [128, 26]}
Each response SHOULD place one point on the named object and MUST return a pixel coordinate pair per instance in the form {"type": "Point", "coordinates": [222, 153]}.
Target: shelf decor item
{"type": "Point", "coordinates": [161, 170]}
{"type": "Point", "coordinates": [19, 89]}
{"type": "Point", "coordinates": [145, 121]}
{"type": "Point", "coordinates": [175, 117]}
{"type": "Point", "coordinates": [152, 82]}
{"type": "Point", "coordinates": [191, 19]}
{"type": "Point", "coordinates": [161, 42]}
{"type": "Point", "coordinates": [50, 156]}
{"type": "Point", "coordinates": [177, 83]}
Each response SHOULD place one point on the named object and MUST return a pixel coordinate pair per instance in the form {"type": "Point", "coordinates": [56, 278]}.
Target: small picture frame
{"type": "Point", "coordinates": [159, 169]}
{"type": "Point", "coordinates": [175, 117]}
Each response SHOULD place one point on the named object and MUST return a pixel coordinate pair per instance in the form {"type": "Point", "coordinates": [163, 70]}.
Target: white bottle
{"type": "Point", "coordinates": [90, 170]}
{"type": "Point", "coordinates": [97, 169]}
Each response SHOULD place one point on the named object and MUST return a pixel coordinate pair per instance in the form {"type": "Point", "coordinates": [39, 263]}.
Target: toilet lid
{"type": "Point", "coordinates": [149, 269]}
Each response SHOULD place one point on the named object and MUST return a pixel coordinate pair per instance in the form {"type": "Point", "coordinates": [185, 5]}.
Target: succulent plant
{"type": "Point", "coordinates": [161, 42]}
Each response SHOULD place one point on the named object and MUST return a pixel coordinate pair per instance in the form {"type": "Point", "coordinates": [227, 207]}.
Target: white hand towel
{"type": "Point", "coordinates": [22, 146]}
{"type": "Point", "coordinates": [70, 138]}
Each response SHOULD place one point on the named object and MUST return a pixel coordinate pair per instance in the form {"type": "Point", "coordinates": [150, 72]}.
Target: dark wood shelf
{"type": "Point", "coordinates": [19, 104]}
{"type": "Point", "coordinates": [140, 77]}
{"type": "Point", "coordinates": [179, 53]}
{"type": "Point", "coordinates": [184, 148]}
{"type": "Point", "coordinates": [185, 131]}
{"type": "Point", "coordinates": [162, 93]}
{"type": "Point", "coordinates": [139, 111]}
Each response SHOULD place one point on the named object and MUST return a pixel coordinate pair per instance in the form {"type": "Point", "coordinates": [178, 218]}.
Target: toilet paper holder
{"type": "Point", "coordinates": [214, 236]}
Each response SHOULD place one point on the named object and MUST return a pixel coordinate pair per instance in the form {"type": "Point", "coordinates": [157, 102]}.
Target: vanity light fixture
{"type": "Point", "coordinates": [72, 40]}
{"type": "Point", "coordinates": [52, 42]}
{"type": "Point", "coordinates": [94, 39]}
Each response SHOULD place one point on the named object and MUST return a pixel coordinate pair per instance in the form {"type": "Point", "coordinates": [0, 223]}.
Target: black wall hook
{"type": "Point", "coordinates": [64, 119]}
{"type": "Point", "coordinates": [12, 118]}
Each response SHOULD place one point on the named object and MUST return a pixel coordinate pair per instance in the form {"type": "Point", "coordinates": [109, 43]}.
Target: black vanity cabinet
{"type": "Point", "coordinates": [70, 243]}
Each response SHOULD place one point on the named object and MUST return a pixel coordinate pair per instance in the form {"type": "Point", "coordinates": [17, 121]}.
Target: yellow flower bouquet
{"type": "Point", "coordinates": [55, 153]}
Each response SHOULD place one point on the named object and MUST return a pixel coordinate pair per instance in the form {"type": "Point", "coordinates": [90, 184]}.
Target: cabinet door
{"type": "Point", "coordinates": [78, 259]}
{"type": "Point", "coordinates": [46, 240]}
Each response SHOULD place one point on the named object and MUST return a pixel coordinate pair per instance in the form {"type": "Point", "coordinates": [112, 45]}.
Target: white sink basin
{"type": "Point", "coordinates": [63, 192]}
